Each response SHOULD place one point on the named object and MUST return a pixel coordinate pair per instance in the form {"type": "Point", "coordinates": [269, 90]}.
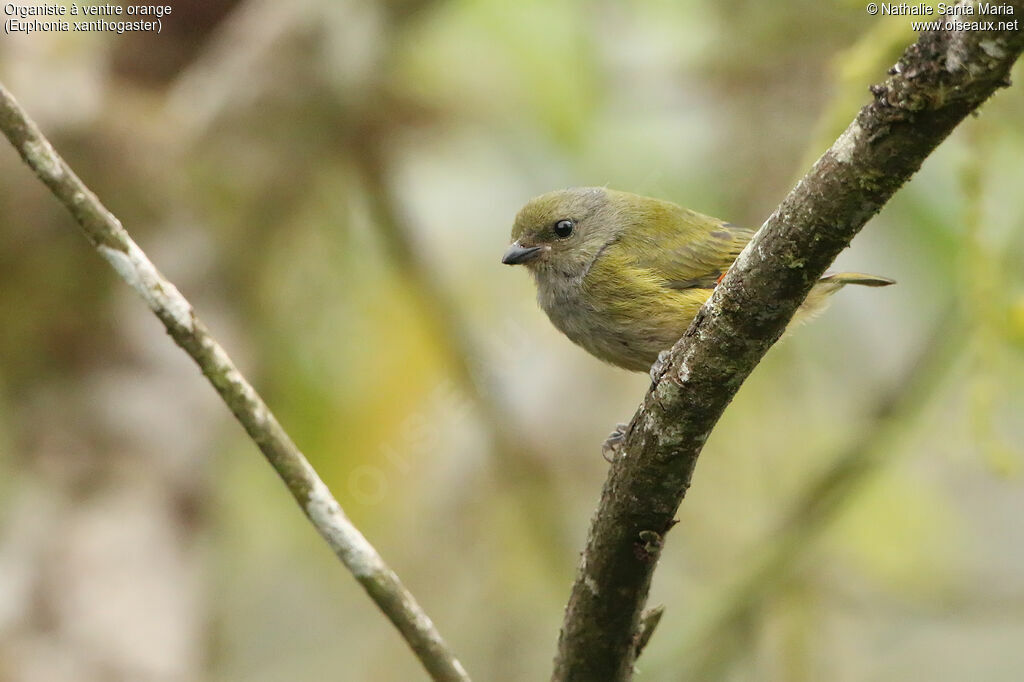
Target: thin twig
{"type": "Point", "coordinates": [940, 79]}
{"type": "Point", "coordinates": [106, 233]}
{"type": "Point", "coordinates": [648, 622]}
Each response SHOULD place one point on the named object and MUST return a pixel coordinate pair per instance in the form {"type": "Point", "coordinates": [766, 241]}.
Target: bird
{"type": "Point", "coordinates": [623, 275]}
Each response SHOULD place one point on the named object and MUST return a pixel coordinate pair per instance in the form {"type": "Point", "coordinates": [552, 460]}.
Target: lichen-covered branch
{"type": "Point", "coordinates": [940, 79]}
{"type": "Point", "coordinates": [106, 233]}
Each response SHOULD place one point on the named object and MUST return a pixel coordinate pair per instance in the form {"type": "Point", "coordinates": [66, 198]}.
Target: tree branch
{"type": "Point", "coordinates": [939, 80]}
{"type": "Point", "coordinates": [106, 233]}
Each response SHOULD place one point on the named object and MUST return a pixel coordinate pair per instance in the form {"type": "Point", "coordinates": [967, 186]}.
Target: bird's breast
{"type": "Point", "coordinates": [626, 326]}
{"type": "Point", "coordinates": [562, 299]}
{"type": "Point", "coordinates": [589, 322]}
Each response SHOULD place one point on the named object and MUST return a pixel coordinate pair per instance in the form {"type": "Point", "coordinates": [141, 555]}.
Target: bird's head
{"type": "Point", "coordinates": [563, 231]}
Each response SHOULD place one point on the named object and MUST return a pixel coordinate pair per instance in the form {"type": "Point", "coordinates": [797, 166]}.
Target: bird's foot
{"type": "Point", "coordinates": [658, 368]}
{"type": "Point", "coordinates": [612, 446]}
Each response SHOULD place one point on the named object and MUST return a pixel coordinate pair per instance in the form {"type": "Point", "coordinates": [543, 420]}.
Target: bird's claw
{"type": "Point", "coordinates": [613, 444]}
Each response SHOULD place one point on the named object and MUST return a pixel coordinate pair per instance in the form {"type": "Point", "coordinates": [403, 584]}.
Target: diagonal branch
{"type": "Point", "coordinates": [939, 80]}
{"type": "Point", "coordinates": [105, 233]}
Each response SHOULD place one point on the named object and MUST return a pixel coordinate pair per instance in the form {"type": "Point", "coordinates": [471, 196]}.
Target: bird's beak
{"type": "Point", "coordinates": [517, 254]}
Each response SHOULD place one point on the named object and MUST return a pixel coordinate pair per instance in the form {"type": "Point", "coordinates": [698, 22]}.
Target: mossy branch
{"type": "Point", "coordinates": [942, 78]}
{"type": "Point", "coordinates": [105, 232]}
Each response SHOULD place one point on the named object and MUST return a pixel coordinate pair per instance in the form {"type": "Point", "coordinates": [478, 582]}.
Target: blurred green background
{"type": "Point", "coordinates": [332, 185]}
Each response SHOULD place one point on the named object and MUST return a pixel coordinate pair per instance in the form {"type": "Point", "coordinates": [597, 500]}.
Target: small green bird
{"type": "Point", "coordinates": [623, 275]}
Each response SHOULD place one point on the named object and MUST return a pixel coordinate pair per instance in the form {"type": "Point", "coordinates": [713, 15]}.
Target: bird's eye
{"type": "Point", "coordinates": [563, 228]}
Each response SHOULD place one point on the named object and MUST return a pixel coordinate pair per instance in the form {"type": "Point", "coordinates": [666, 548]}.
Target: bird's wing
{"type": "Point", "coordinates": [683, 248]}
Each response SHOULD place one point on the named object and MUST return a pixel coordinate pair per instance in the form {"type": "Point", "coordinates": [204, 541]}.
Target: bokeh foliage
{"type": "Point", "coordinates": [237, 154]}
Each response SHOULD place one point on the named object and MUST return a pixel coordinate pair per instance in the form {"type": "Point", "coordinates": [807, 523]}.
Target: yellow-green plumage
{"type": "Point", "coordinates": [633, 272]}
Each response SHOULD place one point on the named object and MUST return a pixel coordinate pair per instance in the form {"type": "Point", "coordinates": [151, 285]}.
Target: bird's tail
{"type": "Point", "coordinates": [817, 300]}
{"type": "Point", "coordinates": [841, 279]}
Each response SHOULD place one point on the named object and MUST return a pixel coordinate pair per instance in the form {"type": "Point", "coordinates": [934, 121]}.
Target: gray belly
{"type": "Point", "coordinates": [627, 343]}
